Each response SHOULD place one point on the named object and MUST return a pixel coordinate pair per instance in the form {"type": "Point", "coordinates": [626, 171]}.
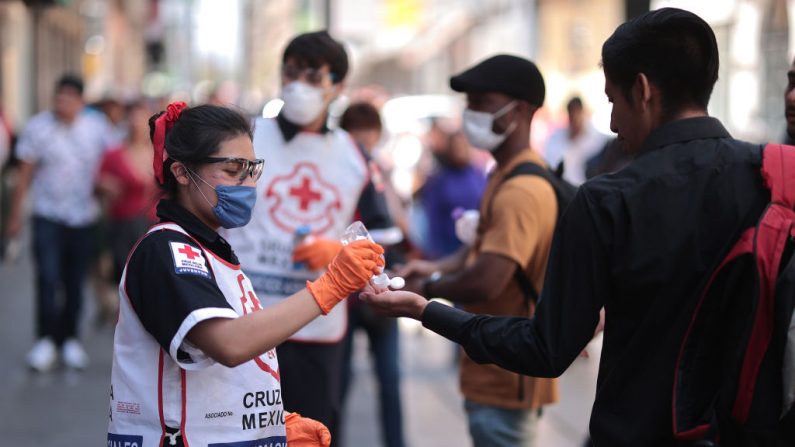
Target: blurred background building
{"type": "Point", "coordinates": [203, 49]}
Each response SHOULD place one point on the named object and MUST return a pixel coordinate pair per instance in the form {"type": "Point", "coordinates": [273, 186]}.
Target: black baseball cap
{"type": "Point", "coordinates": [511, 75]}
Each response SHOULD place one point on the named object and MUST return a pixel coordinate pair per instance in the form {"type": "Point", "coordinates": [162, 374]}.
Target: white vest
{"type": "Point", "coordinates": [208, 402]}
{"type": "Point", "coordinates": [314, 179]}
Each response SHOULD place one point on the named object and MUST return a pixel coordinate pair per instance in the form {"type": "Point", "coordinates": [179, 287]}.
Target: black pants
{"type": "Point", "coordinates": [310, 378]}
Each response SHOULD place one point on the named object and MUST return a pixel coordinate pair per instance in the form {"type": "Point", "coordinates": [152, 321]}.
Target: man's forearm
{"type": "Point", "coordinates": [457, 287]}
{"type": "Point", "coordinates": [24, 176]}
{"type": "Point", "coordinates": [454, 261]}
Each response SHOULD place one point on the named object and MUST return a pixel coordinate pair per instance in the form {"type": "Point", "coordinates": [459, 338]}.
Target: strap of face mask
{"type": "Point", "coordinates": [190, 175]}
{"type": "Point", "coordinates": [504, 109]}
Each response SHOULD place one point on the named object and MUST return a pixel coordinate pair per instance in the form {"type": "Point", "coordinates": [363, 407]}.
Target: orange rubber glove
{"type": "Point", "coordinates": [317, 253]}
{"type": "Point", "coordinates": [305, 432]}
{"type": "Point", "coordinates": [350, 270]}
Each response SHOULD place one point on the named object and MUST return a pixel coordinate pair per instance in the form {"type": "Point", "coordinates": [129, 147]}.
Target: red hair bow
{"type": "Point", "coordinates": [162, 124]}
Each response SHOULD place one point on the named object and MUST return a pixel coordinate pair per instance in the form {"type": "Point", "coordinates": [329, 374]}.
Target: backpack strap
{"type": "Point", "coordinates": [528, 168]}
{"type": "Point", "coordinates": [778, 172]}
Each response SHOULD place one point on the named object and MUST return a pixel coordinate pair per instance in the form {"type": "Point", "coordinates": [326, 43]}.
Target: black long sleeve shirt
{"type": "Point", "coordinates": [640, 242]}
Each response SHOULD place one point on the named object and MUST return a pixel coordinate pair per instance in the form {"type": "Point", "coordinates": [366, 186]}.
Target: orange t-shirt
{"type": "Point", "coordinates": [517, 221]}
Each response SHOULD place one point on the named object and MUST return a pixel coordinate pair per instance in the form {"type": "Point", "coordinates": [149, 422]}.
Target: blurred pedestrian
{"type": "Point", "coordinates": [517, 220]}
{"type": "Point", "coordinates": [128, 189]}
{"type": "Point", "coordinates": [456, 183]}
{"type": "Point", "coordinates": [315, 179]}
{"type": "Point", "coordinates": [193, 357]}
{"type": "Point", "coordinates": [116, 113]}
{"type": "Point", "coordinates": [59, 153]}
{"type": "Point", "coordinates": [641, 242]}
{"type": "Point", "coordinates": [363, 122]}
{"type": "Point", "coordinates": [569, 148]}
{"type": "Point", "coordinates": [611, 158]}
{"type": "Point", "coordinates": [5, 139]}
{"type": "Point", "coordinates": [5, 155]}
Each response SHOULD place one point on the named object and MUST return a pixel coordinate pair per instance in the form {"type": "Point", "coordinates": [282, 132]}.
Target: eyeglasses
{"type": "Point", "coordinates": [239, 167]}
{"type": "Point", "coordinates": [313, 76]}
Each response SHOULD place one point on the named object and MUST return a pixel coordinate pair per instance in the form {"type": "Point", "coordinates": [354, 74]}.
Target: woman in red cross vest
{"type": "Point", "coordinates": [194, 360]}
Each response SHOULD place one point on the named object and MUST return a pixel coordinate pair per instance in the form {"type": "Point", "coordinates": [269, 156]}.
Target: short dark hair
{"type": "Point", "coordinates": [70, 80]}
{"type": "Point", "coordinates": [196, 135]}
{"type": "Point", "coordinates": [316, 49]}
{"type": "Point", "coordinates": [675, 49]}
{"type": "Point", "coordinates": [575, 101]}
{"type": "Point", "coordinates": [361, 116]}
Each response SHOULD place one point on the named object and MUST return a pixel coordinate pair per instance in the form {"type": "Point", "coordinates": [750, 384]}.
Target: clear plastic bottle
{"type": "Point", "coordinates": [356, 232]}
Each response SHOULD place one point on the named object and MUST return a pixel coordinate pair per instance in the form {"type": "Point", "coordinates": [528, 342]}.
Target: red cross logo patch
{"type": "Point", "coordinates": [302, 197]}
{"type": "Point", "coordinates": [188, 260]}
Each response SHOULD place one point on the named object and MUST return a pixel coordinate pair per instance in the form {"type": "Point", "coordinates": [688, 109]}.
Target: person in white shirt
{"type": "Point", "coordinates": [574, 145]}
{"type": "Point", "coordinates": [59, 152]}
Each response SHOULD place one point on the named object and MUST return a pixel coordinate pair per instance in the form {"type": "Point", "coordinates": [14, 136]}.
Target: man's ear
{"type": "Point", "coordinates": [336, 89]}
{"type": "Point", "coordinates": [642, 90]}
{"type": "Point", "coordinates": [180, 173]}
{"type": "Point", "coordinates": [531, 109]}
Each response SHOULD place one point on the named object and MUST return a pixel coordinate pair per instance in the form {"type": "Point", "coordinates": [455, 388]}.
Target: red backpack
{"type": "Point", "coordinates": [734, 380]}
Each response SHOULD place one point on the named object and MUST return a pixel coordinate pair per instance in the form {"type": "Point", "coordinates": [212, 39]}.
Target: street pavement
{"type": "Point", "coordinates": [66, 408]}
{"type": "Point", "coordinates": [433, 408]}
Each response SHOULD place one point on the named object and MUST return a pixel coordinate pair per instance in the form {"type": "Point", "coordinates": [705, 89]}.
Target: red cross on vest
{"type": "Point", "coordinates": [188, 251]}
{"type": "Point", "coordinates": [305, 194]}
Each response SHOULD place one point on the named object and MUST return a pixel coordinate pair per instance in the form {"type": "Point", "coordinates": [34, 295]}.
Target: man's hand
{"type": "Point", "coordinates": [414, 284]}
{"type": "Point", "coordinates": [415, 273]}
{"type": "Point", "coordinates": [398, 303]}
{"type": "Point", "coordinates": [13, 227]}
{"type": "Point", "coordinates": [416, 268]}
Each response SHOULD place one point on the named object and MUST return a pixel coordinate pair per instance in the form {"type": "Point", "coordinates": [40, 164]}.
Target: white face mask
{"type": "Point", "coordinates": [303, 103]}
{"type": "Point", "coordinates": [477, 127]}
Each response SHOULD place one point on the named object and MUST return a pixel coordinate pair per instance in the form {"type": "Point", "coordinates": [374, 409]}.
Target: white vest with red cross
{"type": "Point", "coordinates": [210, 404]}
{"type": "Point", "coordinates": [315, 179]}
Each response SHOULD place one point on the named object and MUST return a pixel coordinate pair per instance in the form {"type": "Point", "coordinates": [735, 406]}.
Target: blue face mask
{"type": "Point", "coordinates": [235, 203]}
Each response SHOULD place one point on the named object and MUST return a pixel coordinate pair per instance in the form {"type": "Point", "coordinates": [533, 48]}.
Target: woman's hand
{"type": "Point", "coordinates": [397, 303]}
{"type": "Point", "coordinates": [317, 253]}
{"type": "Point", "coordinates": [306, 432]}
{"type": "Point", "coordinates": [350, 270]}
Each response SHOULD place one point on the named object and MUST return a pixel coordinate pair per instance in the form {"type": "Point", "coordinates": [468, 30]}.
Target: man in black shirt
{"type": "Point", "coordinates": [640, 242]}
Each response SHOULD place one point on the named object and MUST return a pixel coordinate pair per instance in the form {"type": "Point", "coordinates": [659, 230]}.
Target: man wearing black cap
{"type": "Point", "coordinates": [517, 220]}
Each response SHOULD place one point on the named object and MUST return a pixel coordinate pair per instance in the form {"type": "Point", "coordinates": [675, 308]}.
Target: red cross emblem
{"type": "Point", "coordinates": [247, 297]}
{"type": "Point", "coordinates": [305, 194]}
{"type": "Point", "coordinates": [302, 197]}
{"type": "Point", "coordinates": [187, 250]}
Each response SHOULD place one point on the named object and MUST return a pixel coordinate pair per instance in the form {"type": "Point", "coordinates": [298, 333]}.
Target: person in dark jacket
{"type": "Point", "coordinates": [639, 242]}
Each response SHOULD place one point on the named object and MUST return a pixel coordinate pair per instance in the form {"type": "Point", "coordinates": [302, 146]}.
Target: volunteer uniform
{"type": "Point", "coordinates": [315, 179]}
{"type": "Point", "coordinates": [165, 391]}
